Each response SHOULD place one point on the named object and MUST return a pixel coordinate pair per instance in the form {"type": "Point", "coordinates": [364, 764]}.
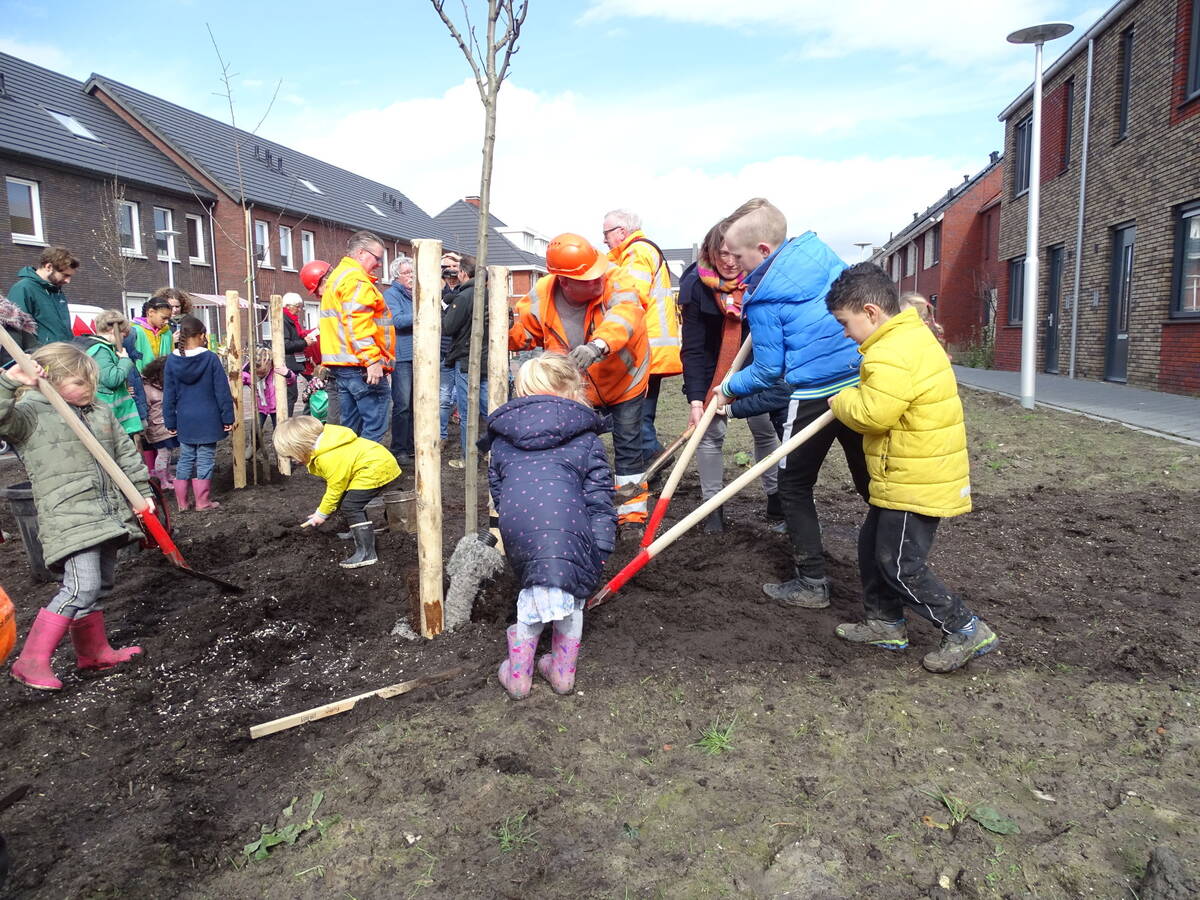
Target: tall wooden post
{"type": "Point", "coordinates": [233, 342]}
{"type": "Point", "coordinates": [498, 323]}
{"type": "Point", "coordinates": [283, 409]}
{"type": "Point", "coordinates": [427, 346]}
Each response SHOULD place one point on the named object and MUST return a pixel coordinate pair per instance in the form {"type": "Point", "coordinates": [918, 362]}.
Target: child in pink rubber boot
{"type": "Point", "coordinates": [83, 518]}
{"type": "Point", "coordinates": [553, 489]}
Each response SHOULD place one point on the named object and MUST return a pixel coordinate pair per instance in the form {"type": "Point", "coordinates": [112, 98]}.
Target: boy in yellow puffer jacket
{"type": "Point", "coordinates": [356, 471]}
{"type": "Point", "coordinates": [906, 406]}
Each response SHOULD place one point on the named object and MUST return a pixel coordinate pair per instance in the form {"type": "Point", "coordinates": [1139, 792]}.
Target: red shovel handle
{"type": "Point", "coordinates": [154, 528]}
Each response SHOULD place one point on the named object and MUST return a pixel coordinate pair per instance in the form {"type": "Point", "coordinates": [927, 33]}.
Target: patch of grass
{"type": "Point", "coordinates": [714, 739]}
{"type": "Point", "coordinates": [515, 833]}
{"type": "Point", "coordinates": [958, 809]}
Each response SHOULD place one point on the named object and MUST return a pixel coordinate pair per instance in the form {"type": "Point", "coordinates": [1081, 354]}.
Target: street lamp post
{"type": "Point", "coordinates": [170, 235]}
{"type": "Point", "coordinates": [862, 248]}
{"type": "Point", "coordinates": [1036, 35]}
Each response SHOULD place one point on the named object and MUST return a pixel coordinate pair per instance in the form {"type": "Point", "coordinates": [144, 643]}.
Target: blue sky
{"type": "Point", "coordinates": [850, 115]}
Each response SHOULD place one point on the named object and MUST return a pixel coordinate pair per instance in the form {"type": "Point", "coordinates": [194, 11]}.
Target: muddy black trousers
{"type": "Point", "coordinates": [798, 476]}
{"type": "Point", "coordinates": [893, 554]}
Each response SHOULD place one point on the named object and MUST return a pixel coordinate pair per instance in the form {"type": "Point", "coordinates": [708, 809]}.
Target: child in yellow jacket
{"type": "Point", "coordinates": [906, 406]}
{"type": "Point", "coordinates": [356, 471]}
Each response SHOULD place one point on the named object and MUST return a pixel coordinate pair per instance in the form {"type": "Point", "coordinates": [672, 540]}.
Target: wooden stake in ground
{"type": "Point", "coordinates": [233, 342]}
{"type": "Point", "coordinates": [427, 363]}
{"type": "Point", "coordinates": [497, 361]}
{"type": "Point", "coordinates": [283, 409]}
{"type": "Point", "coordinates": [341, 706]}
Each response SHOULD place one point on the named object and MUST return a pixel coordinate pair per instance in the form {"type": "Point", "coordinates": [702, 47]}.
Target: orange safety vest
{"type": "Point", "coordinates": [355, 323]}
{"type": "Point", "coordinates": [615, 318]}
{"type": "Point", "coordinates": [646, 265]}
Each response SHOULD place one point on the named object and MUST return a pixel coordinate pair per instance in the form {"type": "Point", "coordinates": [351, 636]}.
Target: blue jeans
{"type": "Point", "coordinates": [651, 446]}
{"type": "Point", "coordinates": [402, 422]}
{"type": "Point", "coordinates": [460, 397]}
{"type": "Point", "coordinates": [446, 397]}
{"type": "Point", "coordinates": [627, 436]}
{"type": "Point", "coordinates": [195, 461]}
{"type": "Point", "coordinates": [363, 408]}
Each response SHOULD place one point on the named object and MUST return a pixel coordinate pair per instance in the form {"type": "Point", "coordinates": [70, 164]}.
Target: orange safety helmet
{"type": "Point", "coordinates": [312, 273]}
{"type": "Point", "coordinates": [571, 256]}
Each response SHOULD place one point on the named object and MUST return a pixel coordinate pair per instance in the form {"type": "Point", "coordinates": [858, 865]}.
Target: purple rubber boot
{"type": "Point", "coordinates": [558, 666]}
{"type": "Point", "coordinates": [516, 672]}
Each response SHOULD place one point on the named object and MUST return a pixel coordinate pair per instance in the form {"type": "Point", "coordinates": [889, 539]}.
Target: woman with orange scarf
{"type": "Point", "coordinates": [710, 301]}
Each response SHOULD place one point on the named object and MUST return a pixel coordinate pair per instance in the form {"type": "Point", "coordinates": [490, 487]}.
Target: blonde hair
{"type": "Point", "coordinates": [917, 302]}
{"type": "Point", "coordinates": [294, 438]}
{"type": "Point", "coordinates": [63, 361]}
{"type": "Point", "coordinates": [109, 319]}
{"type": "Point", "coordinates": [321, 372]}
{"type": "Point", "coordinates": [756, 222]}
{"type": "Point", "coordinates": [550, 373]}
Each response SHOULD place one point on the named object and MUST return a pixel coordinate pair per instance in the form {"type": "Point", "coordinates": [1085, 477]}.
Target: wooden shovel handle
{"type": "Point", "coordinates": [115, 472]}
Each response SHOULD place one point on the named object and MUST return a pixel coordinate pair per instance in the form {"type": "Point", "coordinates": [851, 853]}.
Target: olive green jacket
{"type": "Point", "coordinates": [78, 504]}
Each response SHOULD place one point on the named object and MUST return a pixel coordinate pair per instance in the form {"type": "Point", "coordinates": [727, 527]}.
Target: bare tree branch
{"type": "Point", "coordinates": [439, 7]}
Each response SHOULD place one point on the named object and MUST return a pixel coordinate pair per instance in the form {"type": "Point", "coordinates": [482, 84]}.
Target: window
{"type": "Point", "coordinates": [1193, 82]}
{"type": "Point", "coordinates": [1126, 85]}
{"type": "Point", "coordinates": [73, 125]}
{"type": "Point", "coordinates": [312, 187]}
{"type": "Point", "coordinates": [1024, 137]}
{"type": "Point", "coordinates": [308, 247]}
{"type": "Point", "coordinates": [129, 228]}
{"type": "Point", "coordinates": [1187, 262]}
{"type": "Point", "coordinates": [262, 244]}
{"type": "Point", "coordinates": [285, 247]}
{"type": "Point", "coordinates": [195, 239]}
{"type": "Point", "coordinates": [933, 246]}
{"type": "Point", "coordinates": [375, 209]}
{"type": "Point", "coordinates": [24, 211]}
{"type": "Point", "coordinates": [164, 233]}
{"type": "Point", "coordinates": [1016, 290]}
{"type": "Point", "coordinates": [895, 267]}
{"type": "Point", "coordinates": [910, 259]}
{"type": "Point", "coordinates": [385, 268]}
{"type": "Point", "coordinates": [1068, 114]}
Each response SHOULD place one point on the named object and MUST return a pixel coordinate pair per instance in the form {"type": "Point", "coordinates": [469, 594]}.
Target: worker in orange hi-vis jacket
{"type": "Point", "coordinates": [646, 265]}
{"type": "Point", "coordinates": [589, 310]}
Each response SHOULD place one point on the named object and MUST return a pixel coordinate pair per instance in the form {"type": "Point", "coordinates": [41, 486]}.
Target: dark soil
{"type": "Point", "coordinates": [845, 766]}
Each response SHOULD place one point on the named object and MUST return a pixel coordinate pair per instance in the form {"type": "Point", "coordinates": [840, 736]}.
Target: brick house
{"type": "Point", "coordinates": [949, 253]}
{"type": "Point", "coordinates": [1137, 319]}
{"type": "Point", "coordinates": [521, 249]}
{"type": "Point", "coordinates": [77, 176]}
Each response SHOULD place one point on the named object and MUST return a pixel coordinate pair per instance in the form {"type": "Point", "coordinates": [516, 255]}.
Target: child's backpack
{"type": "Point", "coordinates": [318, 405]}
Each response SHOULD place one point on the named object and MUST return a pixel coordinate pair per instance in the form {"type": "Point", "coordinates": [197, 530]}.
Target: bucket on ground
{"type": "Point", "coordinates": [401, 511]}
{"type": "Point", "coordinates": [20, 501]}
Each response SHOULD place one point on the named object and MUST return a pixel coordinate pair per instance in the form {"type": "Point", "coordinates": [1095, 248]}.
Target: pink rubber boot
{"type": "Point", "coordinates": [516, 672]}
{"type": "Point", "coordinates": [149, 457]}
{"type": "Point", "coordinates": [92, 650]}
{"type": "Point", "coordinates": [558, 666]}
{"type": "Point", "coordinates": [181, 491]}
{"type": "Point", "coordinates": [33, 665]}
{"type": "Point", "coordinates": [202, 487]}
{"type": "Point", "coordinates": [162, 468]}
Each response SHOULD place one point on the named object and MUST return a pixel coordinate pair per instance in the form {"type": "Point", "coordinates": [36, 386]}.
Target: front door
{"type": "Point", "coordinates": [1120, 297]}
{"type": "Point", "coordinates": [1053, 304]}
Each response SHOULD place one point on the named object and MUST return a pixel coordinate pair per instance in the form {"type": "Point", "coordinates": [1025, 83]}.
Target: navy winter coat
{"type": "Point", "coordinates": [196, 399]}
{"type": "Point", "coordinates": [795, 336]}
{"type": "Point", "coordinates": [553, 490]}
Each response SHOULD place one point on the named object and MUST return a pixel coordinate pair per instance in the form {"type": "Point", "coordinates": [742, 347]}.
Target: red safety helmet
{"type": "Point", "coordinates": [312, 273]}
{"type": "Point", "coordinates": [571, 256]}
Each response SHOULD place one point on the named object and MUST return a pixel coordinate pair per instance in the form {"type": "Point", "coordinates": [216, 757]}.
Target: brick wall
{"type": "Point", "coordinates": [72, 206]}
{"type": "Point", "coordinates": [1142, 180]}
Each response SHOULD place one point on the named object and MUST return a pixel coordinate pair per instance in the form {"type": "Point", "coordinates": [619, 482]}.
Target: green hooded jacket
{"type": "Point", "coordinates": [78, 504]}
{"type": "Point", "coordinates": [113, 386]}
{"type": "Point", "coordinates": [45, 302]}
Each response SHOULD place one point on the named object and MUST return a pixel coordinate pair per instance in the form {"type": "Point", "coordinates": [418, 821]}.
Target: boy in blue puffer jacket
{"type": "Point", "coordinates": [553, 490]}
{"type": "Point", "coordinates": [795, 339]}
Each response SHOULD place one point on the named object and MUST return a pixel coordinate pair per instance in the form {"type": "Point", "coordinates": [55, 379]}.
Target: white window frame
{"type": "Point", "coordinates": [910, 258]}
{"type": "Point", "coordinates": [385, 276]}
{"type": "Point", "coordinates": [202, 259]}
{"type": "Point", "coordinates": [172, 250]}
{"type": "Point", "coordinates": [135, 225]}
{"type": "Point", "coordinates": [35, 202]}
{"type": "Point", "coordinates": [308, 247]}
{"type": "Point", "coordinates": [929, 249]}
{"type": "Point", "coordinates": [286, 259]}
{"type": "Point", "coordinates": [262, 238]}
{"type": "Point", "coordinates": [73, 125]}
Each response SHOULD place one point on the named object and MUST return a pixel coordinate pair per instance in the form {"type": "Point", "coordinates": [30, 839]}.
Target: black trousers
{"type": "Point", "coordinates": [893, 554]}
{"type": "Point", "coordinates": [798, 475]}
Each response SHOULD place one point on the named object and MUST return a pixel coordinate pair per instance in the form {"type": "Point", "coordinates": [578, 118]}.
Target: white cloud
{"type": "Point", "coordinates": [947, 30]}
{"type": "Point", "coordinates": [563, 160]}
{"type": "Point", "coordinates": [48, 56]}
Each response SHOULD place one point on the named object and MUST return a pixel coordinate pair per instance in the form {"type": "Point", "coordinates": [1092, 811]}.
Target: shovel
{"type": "Point", "coordinates": [150, 523]}
{"type": "Point", "coordinates": [629, 491]}
{"type": "Point", "coordinates": [673, 534]}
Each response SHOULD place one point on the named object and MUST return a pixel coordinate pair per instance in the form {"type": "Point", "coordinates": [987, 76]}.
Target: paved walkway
{"type": "Point", "coordinates": [1169, 415]}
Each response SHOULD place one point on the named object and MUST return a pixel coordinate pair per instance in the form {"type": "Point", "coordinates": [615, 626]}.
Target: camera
{"type": "Point", "coordinates": [449, 272]}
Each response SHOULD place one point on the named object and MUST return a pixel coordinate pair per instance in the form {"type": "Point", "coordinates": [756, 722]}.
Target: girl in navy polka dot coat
{"type": "Point", "coordinates": [553, 490]}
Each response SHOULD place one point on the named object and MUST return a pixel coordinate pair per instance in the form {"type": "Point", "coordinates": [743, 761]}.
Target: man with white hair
{"type": "Point", "coordinates": [644, 261]}
{"type": "Point", "coordinates": [399, 300]}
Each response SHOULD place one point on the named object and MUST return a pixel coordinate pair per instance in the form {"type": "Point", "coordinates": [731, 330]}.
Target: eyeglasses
{"type": "Point", "coordinates": [378, 258]}
{"type": "Point", "coordinates": [614, 228]}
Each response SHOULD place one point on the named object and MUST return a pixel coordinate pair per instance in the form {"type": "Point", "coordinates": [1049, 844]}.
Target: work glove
{"type": "Point", "coordinates": [314, 520]}
{"type": "Point", "coordinates": [584, 356]}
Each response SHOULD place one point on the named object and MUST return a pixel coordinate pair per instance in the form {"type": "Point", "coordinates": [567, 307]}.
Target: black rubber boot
{"type": "Point", "coordinates": [715, 523]}
{"type": "Point", "coordinates": [774, 507]}
{"type": "Point", "coordinates": [364, 547]}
